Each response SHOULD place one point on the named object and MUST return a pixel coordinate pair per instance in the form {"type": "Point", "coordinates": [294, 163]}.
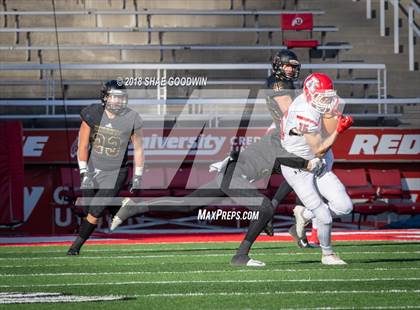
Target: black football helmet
{"type": "Point", "coordinates": [286, 57]}
{"type": "Point", "coordinates": [114, 96]}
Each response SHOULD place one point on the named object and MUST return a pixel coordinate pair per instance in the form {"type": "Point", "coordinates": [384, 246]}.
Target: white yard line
{"type": "Point", "coordinates": [196, 272]}
{"type": "Point", "coordinates": [324, 292]}
{"type": "Point", "coordinates": [209, 281]}
{"type": "Point", "coordinates": [140, 248]}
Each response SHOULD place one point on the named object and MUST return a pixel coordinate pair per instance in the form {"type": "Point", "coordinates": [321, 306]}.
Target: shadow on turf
{"type": "Point", "coordinates": [298, 262]}
{"type": "Point", "coordinates": [388, 260]}
{"type": "Point", "coordinates": [377, 244]}
{"type": "Point", "coordinates": [203, 249]}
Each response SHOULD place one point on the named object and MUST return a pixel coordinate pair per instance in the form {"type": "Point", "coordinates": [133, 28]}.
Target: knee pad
{"type": "Point", "coordinates": [343, 207]}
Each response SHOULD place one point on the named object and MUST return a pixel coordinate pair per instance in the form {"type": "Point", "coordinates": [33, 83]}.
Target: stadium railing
{"type": "Point", "coordinates": [413, 28]}
{"type": "Point", "coordinates": [162, 30]}
{"type": "Point", "coordinates": [47, 70]}
{"type": "Point", "coordinates": [213, 116]}
{"type": "Point", "coordinates": [149, 13]}
{"type": "Point", "coordinates": [173, 47]}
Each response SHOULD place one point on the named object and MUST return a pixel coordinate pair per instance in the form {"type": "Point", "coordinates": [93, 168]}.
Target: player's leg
{"type": "Point", "coordinates": [313, 239]}
{"type": "Point", "coordinates": [303, 184]}
{"type": "Point", "coordinates": [164, 204]}
{"type": "Point", "coordinates": [96, 211]}
{"type": "Point", "coordinates": [331, 188]}
{"type": "Point", "coordinates": [281, 193]}
{"type": "Point", "coordinates": [335, 193]}
{"type": "Point", "coordinates": [239, 188]}
{"type": "Point", "coordinates": [303, 217]}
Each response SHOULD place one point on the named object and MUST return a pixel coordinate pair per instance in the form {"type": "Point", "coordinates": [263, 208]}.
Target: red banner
{"type": "Point", "coordinates": [378, 145]}
{"type": "Point", "coordinates": [358, 144]}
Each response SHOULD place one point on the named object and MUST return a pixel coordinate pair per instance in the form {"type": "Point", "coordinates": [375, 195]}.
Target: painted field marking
{"type": "Point", "coordinates": [209, 281]}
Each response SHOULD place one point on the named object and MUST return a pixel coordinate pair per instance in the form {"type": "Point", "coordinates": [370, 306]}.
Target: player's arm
{"type": "Point", "coordinates": [293, 161]}
{"type": "Point", "coordinates": [321, 146]}
{"type": "Point", "coordinates": [86, 179]}
{"type": "Point", "coordinates": [283, 102]}
{"type": "Point", "coordinates": [318, 145]}
{"type": "Point", "coordinates": [329, 125]}
{"type": "Point", "coordinates": [137, 140]}
{"type": "Point", "coordinates": [83, 147]}
{"type": "Point", "coordinates": [278, 104]}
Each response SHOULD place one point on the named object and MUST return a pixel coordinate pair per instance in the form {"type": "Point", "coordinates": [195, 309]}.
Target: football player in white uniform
{"type": "Point", "coordinates": [302, 135]}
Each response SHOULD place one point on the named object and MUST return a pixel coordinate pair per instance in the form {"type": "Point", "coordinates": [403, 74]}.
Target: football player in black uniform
{"type": "Point", "coordinates": [104, 135]}
{"type": "Point", "coordinates": [285, 70]}
{"type": "Point", "coordinates": [253, 163]}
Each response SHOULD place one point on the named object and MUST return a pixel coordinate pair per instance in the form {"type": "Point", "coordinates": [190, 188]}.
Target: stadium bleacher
{"type": "Point", "coordinates": [55, 56]}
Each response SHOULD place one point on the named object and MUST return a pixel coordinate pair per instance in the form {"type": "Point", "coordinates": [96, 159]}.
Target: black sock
{"type": "Point", "coordinates": [257, 226]}
{"type": "Point", "coordinates": [86, 229]}
{"type": "Point", "coordinates": [244, 248]}
{"type": "Point", "coordinates": [281, 193]}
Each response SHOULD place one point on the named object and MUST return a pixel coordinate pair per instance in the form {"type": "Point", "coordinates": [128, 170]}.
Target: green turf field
{"type": "Point", "coordinates": [380, 275]}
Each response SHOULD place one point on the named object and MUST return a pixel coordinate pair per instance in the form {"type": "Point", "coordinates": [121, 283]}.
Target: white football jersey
{"type": "Point", "coordinates": [305, 119]}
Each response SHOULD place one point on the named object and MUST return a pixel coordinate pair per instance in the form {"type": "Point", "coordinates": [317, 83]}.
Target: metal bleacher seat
{"type": "Point", "coordinates": [149, 29]}
{"type": "Point", "coordinates": [298, 22]}
{"type": "Point", "coordinates": [161, 46]}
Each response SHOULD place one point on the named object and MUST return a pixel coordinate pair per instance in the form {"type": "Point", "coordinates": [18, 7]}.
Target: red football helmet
{"type": "Point", "coordinates": [319, 91]}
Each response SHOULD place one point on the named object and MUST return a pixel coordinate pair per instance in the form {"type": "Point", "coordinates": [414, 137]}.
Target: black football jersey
{"type": "Point", "coordinates": [277, 84]}
{"type": "Point", "coordinates": [109, 137]}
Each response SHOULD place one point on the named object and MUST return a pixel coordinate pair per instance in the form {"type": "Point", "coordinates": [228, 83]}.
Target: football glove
{"type": "Point", "coordinates": [317, 166]}
{"type": "Point", "coordinates": [344, 123]}
{"type": "Point", "coordinates": [87, 179]}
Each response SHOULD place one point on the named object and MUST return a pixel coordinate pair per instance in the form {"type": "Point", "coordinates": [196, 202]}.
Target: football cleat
{"type": "Point", "coordinates": [116, 221]}
{"type": "Point", "coordinates": [301, 221]}
{"type": "Point", "coordinates": [255, 263]}
{"type": "Point", "coordinates": [245, 260]}
{"type": "Point", "coordinates": [72, 252]}
{"type": "Point", "coordinates": [301, 242]}
{"type": "Point", "coordinates": [332, 259]}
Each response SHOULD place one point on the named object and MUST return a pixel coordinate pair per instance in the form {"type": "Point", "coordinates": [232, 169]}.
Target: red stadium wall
{"type": "Point", "coordinates": [11, 173]}
{"type": "Point", "coordinates": [47, 152]}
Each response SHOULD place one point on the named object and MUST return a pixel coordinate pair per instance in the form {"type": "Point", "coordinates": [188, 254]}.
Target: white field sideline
{"type": "Point", "coordinates": [209, 281]}
{"type": "Point", "coordinates": [194, 271]}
